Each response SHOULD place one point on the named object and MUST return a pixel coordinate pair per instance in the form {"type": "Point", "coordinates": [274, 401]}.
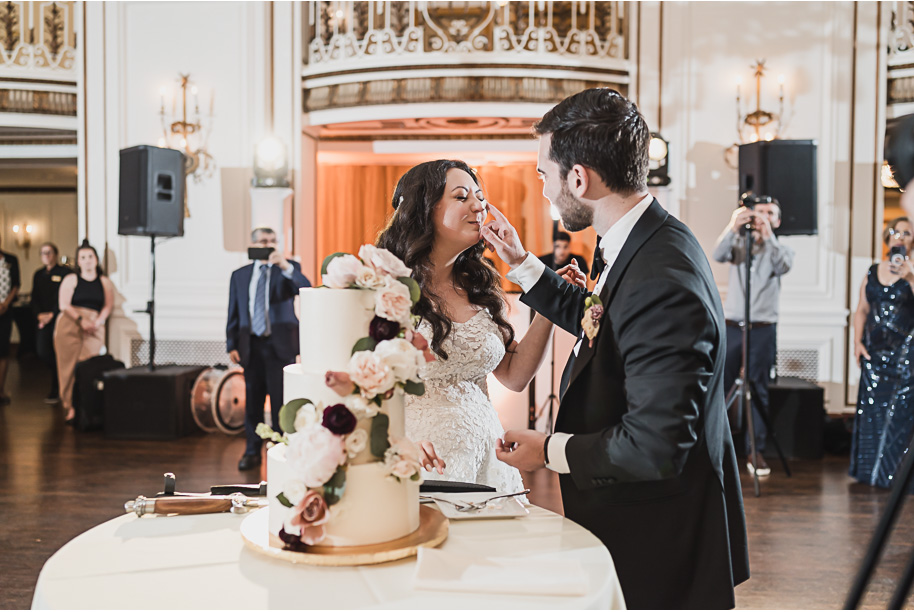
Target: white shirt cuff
{"type": "Point", "coordinates": [558, 462]}
{"type": "Point", "coordinates": [528, 273]}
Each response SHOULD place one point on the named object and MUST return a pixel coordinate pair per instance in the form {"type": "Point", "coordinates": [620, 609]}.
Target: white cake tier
{"type": "Point", "coordinates": [298, 384]}
{"type": "Point", "coordinates": [332, 321]}
{"type": "Point", "coordinates": [373, 509]}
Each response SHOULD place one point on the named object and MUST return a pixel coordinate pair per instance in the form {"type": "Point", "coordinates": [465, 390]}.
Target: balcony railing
{"type": "Point", "coordinates": [38, 40]}
{"type": "Point", "coordinates": [363, 53]}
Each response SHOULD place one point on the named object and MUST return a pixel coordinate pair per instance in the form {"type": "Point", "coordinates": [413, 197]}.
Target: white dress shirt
{"type": "Point", "coordinates": [262, 268]}
{"type": "Point", "coordinates": [528, 273]}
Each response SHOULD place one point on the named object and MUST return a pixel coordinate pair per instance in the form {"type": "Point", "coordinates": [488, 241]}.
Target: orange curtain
{"type": "Point", "coordinates": [353, 206]}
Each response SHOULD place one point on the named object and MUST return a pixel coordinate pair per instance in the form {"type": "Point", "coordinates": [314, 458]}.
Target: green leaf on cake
{"type": "Point", "coordinates": [287, 414]}
{"type": "Point", "coordinates": [364, 344]}
{"type": "Point", "coordinates": [333, 488]}
{"type": "Point", "coordinates": [327, 261]}
{"type": "Point", "coordinates": [379, 440]}
{"type": "Point", "coordinates": [414, 291]}
{"type": "Point", "coordinates": [283, 500]}
{"type": "Point", "coordinates": [414, 388]}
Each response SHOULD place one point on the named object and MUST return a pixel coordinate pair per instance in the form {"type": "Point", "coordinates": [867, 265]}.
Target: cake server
{"type": "Point", "coordinates": [179, 504]}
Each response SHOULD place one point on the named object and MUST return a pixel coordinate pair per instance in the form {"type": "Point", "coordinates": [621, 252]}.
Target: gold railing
{"type": "Point", "coordinates": [390, 52]}
{"type": "Point", "coordinates": [38, 40]}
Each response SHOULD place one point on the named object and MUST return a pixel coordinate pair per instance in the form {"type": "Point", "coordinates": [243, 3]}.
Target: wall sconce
{"type": "Point", "coordinates": [658, 153]}
{"type": "Point", "coordinates": [758, 124]}
{"type": "Point", "coordinates": [271, 164]}
{"type": "Point", "coordinates": [24, 236]}
{"type": "Point", "coordinates": [189, 136]}
{"type": "Point", "coordinates": [888, 177]}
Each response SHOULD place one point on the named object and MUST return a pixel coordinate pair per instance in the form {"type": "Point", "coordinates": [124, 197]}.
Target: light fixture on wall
{"type": "Point", "coordinates": [271, 164]}
{"type": "Point", "coordinates": [24, 236]}
{"type": "Point", "coordinates": [658, 153]}
{"type": "Point", "coordinates": [888, 176]}
{"type": "Point", "coordinates": [187, 132]}
{"type": "Point", "coordinates": [758, 124]}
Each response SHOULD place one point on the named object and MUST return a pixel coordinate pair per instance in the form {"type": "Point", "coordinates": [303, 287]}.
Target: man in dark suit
{"type": "Point", "coordinates": [262, 334]}
{"type": "Point", "coordinates": [561, 255]}
{"type": "Point", "coordinates": [642, 443]}
{"type": "Point", "coordinates": [9, 290]}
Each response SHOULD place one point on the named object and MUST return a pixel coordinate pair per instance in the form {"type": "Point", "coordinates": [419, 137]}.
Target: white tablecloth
{"type": "Point", "coordinates": [201, 562]}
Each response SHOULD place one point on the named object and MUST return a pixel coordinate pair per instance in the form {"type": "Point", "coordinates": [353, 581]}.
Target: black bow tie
{"type": "Point", "coordinates": [598, 264]}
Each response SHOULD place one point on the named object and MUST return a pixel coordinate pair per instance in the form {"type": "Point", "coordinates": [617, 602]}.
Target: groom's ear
{"type": "Point", "coordinates": [578, 180]}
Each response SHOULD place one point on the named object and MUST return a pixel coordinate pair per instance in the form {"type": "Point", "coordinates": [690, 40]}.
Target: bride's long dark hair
{"type": "Point", "coordinates": [410, 235]}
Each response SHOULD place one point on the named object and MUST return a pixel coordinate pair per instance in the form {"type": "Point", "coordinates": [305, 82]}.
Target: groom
{"type": "Point", "coordinates": [642, 443]}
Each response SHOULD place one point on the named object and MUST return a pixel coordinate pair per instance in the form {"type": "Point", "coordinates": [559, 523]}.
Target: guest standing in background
{"type": "Point", "coordinates": [46, 306]}
{"type": "Point", "coordinates": [561, 254]}
{"type": "Point", "coordinates": [261, 334]}
{"type": "Point", "coordinates": [86, 301]}
{"type": "Point", "coordinates": [884, 348]}
{"type": "Point", "coordinates": [9, 289]}
{"type": "Point", "coordinates": [771, 259]}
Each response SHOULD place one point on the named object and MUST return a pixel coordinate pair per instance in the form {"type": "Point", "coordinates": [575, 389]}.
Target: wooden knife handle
{"type": "Point", "coordinates": [192, 505]}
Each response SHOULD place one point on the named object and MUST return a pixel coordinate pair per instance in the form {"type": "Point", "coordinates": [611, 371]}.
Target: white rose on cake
{"type": "Point", "coordinates": [356, 442]}
{"type": "Point", "coordinates": [360, 407]}
{"type": "Point", "coordinates": [306, 416]}
{"type": "Point", "coordinates": [393, 302]}
{"type": "Point", "coordinates": [401, 357]}
{"type": "Point", "coordinates": [342, 271]}
{"type": "Point", "coordinates": [383, 261]}
{"type": "Point", "coordinates": [314, 454]}
{"type": "Point", "coordinates": [294, 490]}
{"type": "Point", "coordinates": [371, 374]}
{"type": "Point", "coordinates": [369, 278]}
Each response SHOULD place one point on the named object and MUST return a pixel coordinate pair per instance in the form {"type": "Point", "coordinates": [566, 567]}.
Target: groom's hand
{"type": "Point", "coordinates": [523, 449]}
{"type": "Point", "coordinates": [501, 237]}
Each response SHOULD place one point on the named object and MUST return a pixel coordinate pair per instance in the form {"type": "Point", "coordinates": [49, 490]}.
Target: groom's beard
{"type": "Point", "coordinates": [575, 214]}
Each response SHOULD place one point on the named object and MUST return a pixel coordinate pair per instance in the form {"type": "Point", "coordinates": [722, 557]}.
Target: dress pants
{"type": "Point", "coordinates": [762, 352]}
{"type": "Point", "coordinates": [262, 376]}
{"type": "Point", "coordinates": [44, 346]}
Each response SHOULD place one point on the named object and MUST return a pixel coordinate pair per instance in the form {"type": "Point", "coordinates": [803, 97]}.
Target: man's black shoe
{"type": "Point", "coordinates": [249, 462]}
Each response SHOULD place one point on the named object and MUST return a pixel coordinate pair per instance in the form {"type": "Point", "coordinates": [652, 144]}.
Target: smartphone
{"type": "Point", "coordinates": [259, 253]}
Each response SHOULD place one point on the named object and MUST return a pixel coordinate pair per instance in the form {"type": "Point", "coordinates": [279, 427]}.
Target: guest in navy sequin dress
{"type": "Point", "coordinates": [884, 348]}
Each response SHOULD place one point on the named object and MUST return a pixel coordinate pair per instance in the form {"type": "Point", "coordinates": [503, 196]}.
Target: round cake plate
{"type": "Point", "coordinates": [432, 531]}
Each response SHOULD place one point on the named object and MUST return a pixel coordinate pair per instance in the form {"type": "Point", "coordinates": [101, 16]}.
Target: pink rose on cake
{"type": "Point", "coordinates": [314, 454]}
{"type": "Point", "coordinates": [310, 515]}
{"type": "Point", "coordinates": [371, 374]}
{"type": "Point", "coordinates": [383, 260]}
{"type": "Point", "coordinates": [402, 461]}
{"type": "Point", "coordinates": [342, 271]}
{"type": "Point", "coordinates": [340, 382]}
{"type": "Point", "coordinates": [369, 278]}
{"type": "Point", "coordinates": [401, 357]}
{"type": "Point", "coordinates": [393, 302]}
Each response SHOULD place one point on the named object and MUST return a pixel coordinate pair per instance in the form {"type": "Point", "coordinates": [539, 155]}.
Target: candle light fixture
{"type": "Point", "coordinates": [184, 128]}
{"type": "Point", "coordinates": [758, 124]}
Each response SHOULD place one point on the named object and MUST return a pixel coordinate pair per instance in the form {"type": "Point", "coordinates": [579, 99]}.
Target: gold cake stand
{"type": "Point", "coordinates": [432, 531]}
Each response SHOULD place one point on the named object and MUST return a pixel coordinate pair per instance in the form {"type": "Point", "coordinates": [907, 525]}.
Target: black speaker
{"type": "Point", "coordinates": [151, 192]}
{"type": "Point", "coordinates": [796, 409]}
{"type": "Point", "coordinates": [144, 404]}
{"type": "Point", "coordinates": [786, 170]}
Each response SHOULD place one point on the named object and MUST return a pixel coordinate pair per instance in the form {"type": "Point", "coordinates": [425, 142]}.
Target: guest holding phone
{"type": "Point", "coordinates": [884, 348]}
{"type": "Point", "coordinates": [262, 331]}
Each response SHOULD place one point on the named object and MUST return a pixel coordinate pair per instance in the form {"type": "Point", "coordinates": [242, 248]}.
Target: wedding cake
{"type": "Point", "coordinates": [343, 472]}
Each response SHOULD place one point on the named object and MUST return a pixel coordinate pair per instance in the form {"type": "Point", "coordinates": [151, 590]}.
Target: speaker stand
{"type": "Point", "coordinates": [151, 304]}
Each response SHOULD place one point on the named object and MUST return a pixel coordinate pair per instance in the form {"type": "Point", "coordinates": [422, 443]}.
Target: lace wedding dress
{"type": "Point", "coordinates": [455, 412]}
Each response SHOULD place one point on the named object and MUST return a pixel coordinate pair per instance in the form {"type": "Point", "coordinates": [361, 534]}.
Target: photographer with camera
{"type": "Point", "coordinates": [883, 324]}
{"type": "Point", "coordinates": [770, 260]}
{"type": "Point", "coordinates": [262, 331]}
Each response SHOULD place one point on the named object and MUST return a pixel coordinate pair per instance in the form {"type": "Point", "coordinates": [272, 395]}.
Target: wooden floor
{"type": "Point", "coordinates": [807, 534]}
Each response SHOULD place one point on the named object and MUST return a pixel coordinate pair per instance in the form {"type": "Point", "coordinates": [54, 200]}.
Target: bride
{"type": "Point", "coordinates": [439, 210]}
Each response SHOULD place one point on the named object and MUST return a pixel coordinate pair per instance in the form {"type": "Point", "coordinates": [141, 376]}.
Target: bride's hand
{"type": "Point", "coordinates": [572, 273]}
{"type": "Point", "coordinates": [428, 459]}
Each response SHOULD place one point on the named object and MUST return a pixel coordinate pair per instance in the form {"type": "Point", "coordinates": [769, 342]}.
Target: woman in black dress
{"type": "Point", "coordinates": [884, 348]}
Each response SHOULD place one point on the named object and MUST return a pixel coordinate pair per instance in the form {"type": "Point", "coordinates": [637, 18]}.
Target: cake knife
{"type": "Point", "coordinates": [179, 504]}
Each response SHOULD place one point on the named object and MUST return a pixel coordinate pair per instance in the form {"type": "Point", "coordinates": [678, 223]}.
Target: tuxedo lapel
{"type": "Point", "coordinates": [649, 223]}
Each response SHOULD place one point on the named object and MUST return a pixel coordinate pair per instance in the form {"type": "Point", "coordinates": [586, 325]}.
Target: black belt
{"type": "Point", "coordinates": [731, 323]}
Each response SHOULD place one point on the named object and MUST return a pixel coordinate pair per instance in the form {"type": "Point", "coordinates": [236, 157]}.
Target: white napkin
{"type": "Point", "coordinates": [438, 570]}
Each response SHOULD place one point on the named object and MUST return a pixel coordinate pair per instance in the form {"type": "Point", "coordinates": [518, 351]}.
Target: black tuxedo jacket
{"type": "Point", "coordinates": [653, 471]}
{"type": "Point", "coordinates": [283, 322]}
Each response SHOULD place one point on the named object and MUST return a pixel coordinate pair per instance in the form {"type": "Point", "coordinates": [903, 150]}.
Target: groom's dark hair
{"type": "Point", "coordinates": [602, 130]}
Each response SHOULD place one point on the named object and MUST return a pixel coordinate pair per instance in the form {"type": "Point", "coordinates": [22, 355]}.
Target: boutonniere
{"type": "Point", "coordinates": [592, 315]}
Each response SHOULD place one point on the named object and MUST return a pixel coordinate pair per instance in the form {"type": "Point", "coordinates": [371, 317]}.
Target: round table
{"type": "Point", "coordinates": [201, 561]}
